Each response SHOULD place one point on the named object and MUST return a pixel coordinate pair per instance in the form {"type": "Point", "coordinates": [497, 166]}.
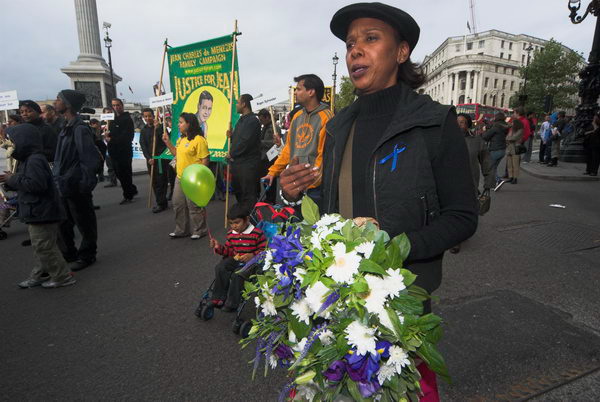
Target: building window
{"type": "Point", "coordinates": [502, 45]}
{"type": "Point", "coordinates": [494, 100]}
{"type": "Point", "coordinates": [502, 101]}
{"type": "Point", "coordinates": [512, 85]}
{"type": "Point", "coordinates": [461, 99]}
{"type": "Point", "coordinates": [509, 45]}
{"type": "Point", "coordinates": [484, 99]}
{"type": "Point", "coordinates": [463, 84]}
{"type": "Point", "coordinates": [503, 84]}
{"type": "Point", "coordinates": [509, 56]}
{"type": "Point", "coordinates": [453, 78]}
{"type": "Point", "coordinates": [458, 48]}
{"type": "Point", "coordinates": [496, 83]}
{"type": "Point", "coordinates": [496, 68]}
{"type": "Point", "coordinates": [486, 82]}
{"type": "Point", "coordinates": [505, 69]}
{"type": "Point", "coordinates": [523, 59]}
{"type": "Point", "coordinates": [501, 55]}
{"type": "Point", "coordinates": [472, 80]}
{"type": "Point", "coordinates": [481, 44]}
{"type": "Point", "coordinates": [470, 46]}
{"type": "Point", "coordinates": [524, 46]}
{"type": "Point", "coordinates": [513, 71]}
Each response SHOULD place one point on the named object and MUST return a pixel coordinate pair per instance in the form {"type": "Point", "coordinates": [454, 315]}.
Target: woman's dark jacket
{"type": "Point", "coordinates": [37, 196]}
{"type": "Point", "coordinates": [77, 159]}
{"type": "Point", "coordinates": [496, 136]}
{"type": "Point", "coordinates": [428, 196]}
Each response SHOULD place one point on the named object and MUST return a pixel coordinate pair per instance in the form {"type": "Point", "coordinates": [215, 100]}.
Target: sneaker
{"type": "Point", "coordinates": [125, 201]}
{"type": "Point", "coordinates": [68, 281]}
{"type": "Point", "coordinates": [31, 283]}
{"type": "Point", "coordinates": [499, 185]}
{"type": "Point", "coordinates": [197, 236]}
{"type": "Point", "coordinates": [174, 235]}
{"type": "Point", "coordinates": [26, 243]}
{"type": "Point", "coordinates": [79, 265]}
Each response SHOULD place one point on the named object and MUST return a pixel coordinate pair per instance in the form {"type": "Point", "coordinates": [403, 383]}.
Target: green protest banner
{"type": "Point", "coordinates": [200, 81]}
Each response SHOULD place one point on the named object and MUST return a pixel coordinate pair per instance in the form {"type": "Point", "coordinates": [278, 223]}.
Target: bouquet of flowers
{"type": "Point", "coordinates": [336, 308]}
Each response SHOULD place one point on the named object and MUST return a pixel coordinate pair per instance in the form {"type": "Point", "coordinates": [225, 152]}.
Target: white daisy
{"type": "Point", "coordinates": [327, 220]}
{"type": "Point", "coordinates": [398, 358]}
{"type": "Point", "coordinates": [302, 310]}
{"type": "Point", "coordinates": [361, 337]}
{"type": "Point", "coordinates": [273, 361]}
{"type": "Point", "coordinates": [386, 372]}
{"type": "Point", "coordinates": [268, 306]}
{"type": "Point", "coordinates": [326, 337]}
{"type": "Point", "coordinates": [315, 295]}
{"type": "Point", "coordinates": [268, 260]}
{"type": "Point", "coordinates": [394, 283]}
{"type": "Point", "coordinates": [345, 265]}
{"type": "Point", "coordinates": [365, 248]}
{"type": "Point", "coordinates": [299, 274]}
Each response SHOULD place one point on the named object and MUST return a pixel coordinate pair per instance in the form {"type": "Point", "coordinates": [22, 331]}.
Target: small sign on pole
{"type": "Point", "coordinates": [9, 100]}
{"type": "Point", "coordinates": [107, 116]}
{"type": "Point", "coordinates": [163, 100]}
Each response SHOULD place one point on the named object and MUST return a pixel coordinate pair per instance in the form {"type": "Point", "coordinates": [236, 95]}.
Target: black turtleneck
{"type": "Point", "coordinates": [375, 115]}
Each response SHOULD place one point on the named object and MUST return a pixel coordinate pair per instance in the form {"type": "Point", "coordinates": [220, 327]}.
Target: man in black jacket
{"type": "Point", "coordinates": [52, 119]}
{"type": "Point", "coordinates": [151, 138]}
{"type": "Point", "coordinates": [31, 113]}
{"type": "Point", "coordinates": [75, 167]}
{"type": "Point", "coordinates": [119, 136]}
{"type": "Point", "coordinates": [245, 153]}
{"type": "Point", "coordinates": [39, 208]}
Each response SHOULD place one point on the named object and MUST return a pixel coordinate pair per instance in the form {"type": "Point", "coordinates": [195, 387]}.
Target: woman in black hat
{"type": "Point", "coordinates": [393, 154]}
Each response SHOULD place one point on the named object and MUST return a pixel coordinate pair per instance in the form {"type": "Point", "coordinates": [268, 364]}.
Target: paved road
{"type": "Point", "coordinates": [520, 299]}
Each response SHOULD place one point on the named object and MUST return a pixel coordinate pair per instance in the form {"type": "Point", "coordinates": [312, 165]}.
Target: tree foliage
{"type": "Point", "coordinates": [346, 94]}
{"type": "Point", "coordinates": [552, 71]}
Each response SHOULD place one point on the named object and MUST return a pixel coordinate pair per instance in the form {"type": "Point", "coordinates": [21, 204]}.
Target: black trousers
{"type": "Point", "coordinates": [592, 156]}
{"type": "Point", "coordinates": [160, 181]}
{"type": "Point", "coordinates": [102, 148]}
{"type": "Point", "coordinates": [80, 213]}
{"type": "Point", "coordinates": [121, 163]}
{"type": "Point", "coordinates": [542, 154]}
{"type": "Point", "coordinates": [245, 182]}
{"type": "Point", "coordinates": [228, 285]}
{"type": "Point", "coordinates": [271, 196]}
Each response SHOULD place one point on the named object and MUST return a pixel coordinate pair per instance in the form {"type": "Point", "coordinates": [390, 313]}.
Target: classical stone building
{"type": "Point", "coordinates": [481, 68]}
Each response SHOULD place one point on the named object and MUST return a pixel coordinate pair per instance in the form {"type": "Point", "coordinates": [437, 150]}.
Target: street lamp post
{"type": "Point", "coordinates": [523, 97]}
{"type": "Point", "coordinates": [108, 45]}
{"type": "Point", "coordinates": [589, 86]}
{"type": "Point", "coordinates": [335, 60]}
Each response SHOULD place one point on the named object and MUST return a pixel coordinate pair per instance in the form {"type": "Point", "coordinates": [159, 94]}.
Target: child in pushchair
{"type": "Point", "coordinates": [247, 238]}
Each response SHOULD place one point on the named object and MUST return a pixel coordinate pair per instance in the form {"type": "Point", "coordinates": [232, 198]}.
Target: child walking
{"type": "Point", "coordinates": [243, 242]}
{"type": "Point", "coordinates": [39, 208]}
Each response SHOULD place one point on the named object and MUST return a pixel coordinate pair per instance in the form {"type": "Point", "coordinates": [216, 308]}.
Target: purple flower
{"type": "Point", "coordinates": [336, 371]}
{"type": "Point", "coordinates": [284, 352]}
{"type": "Point", "coordinates": [361, 367]}
{"type": "Point", "coordinates": [368, 388]}
{"type": "Point", "coordinates": [332, 298]}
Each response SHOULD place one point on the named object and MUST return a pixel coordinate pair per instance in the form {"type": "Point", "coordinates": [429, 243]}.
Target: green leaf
{"type": "Point", "coordinates": [434, 360]}
{"type": "Point", "coordinates": [403, 245]}
{"type": "Point", "coordinates": [342, 344]}
{"type": "Point", "coordinates": [360, 286]}
{"type": "Point", "coordinates": [300, 329]}
{"type": "Point", "coordinates": [371, 267]}
{"type": "Point", "coordinates": [310, 278]}
{"type": "Point", "coordinates": [419, 293]}
{"type": "Point", "coordinates": [409, 277]}
{"type": "Point", "coordinates": [347, 231]}
{"type": "Point", "coordinates": [407, 304]}
{"type": "Point", "coordinates": [310, 211]}
{"type": "Point", "coordinates": [393, 255]}
{"type": "Point", "coordinates": [434, 335]}
{"type": "Point", "coordinates": [395, 322]}
{"type": "Point", "coordinates": [428, 322]}
{"type": "Point", "coordinates": [353, 390]}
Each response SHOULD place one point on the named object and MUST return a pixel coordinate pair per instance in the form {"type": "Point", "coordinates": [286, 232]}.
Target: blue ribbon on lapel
{"type": "Point", "coordinates": [393, 156]}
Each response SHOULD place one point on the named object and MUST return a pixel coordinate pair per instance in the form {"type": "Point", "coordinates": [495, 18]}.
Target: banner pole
{"type": "Point", "coordinates": [162, 69]}
{"type": "Point", "coordinates": [231, 78]}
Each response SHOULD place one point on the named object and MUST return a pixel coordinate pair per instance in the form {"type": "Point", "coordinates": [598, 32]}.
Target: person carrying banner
{"type": "Point", "coordinates": [306, 136]}
{"type": "Point", "coordinates": [74, 170]}
{"type": "Point", "coordinates": [244, 154]}
{"type": "Point", "coordinates": [190, 148]}
{"type": "Point", "coordinates": [119, 136]}
{"type": "Point", "coordinates": [149, 134]}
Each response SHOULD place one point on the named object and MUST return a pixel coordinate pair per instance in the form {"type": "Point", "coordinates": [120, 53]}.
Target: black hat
{"type": "Point", "coordinates": [400, 20]}
{"type": "Point", "coordinates": [31, 104]}
{"type": "Point", "coordinates": [72, 98]}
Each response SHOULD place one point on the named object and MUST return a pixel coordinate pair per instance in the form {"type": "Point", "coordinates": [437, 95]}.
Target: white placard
{"type": "Point", "coordinates": [163, 100]}
{"type": "Point", "coordinates": [9, 100]}
{"type": "Point", "coordinates": [274, 152]}
{"type": "Point", "coordinates": [107, 116]}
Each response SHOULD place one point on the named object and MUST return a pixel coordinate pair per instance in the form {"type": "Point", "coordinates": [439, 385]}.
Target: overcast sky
{"type": "Point", "coordinates": [280, 38]}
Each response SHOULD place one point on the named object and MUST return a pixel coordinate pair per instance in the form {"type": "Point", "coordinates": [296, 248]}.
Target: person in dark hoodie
{"type": "Point", "coordinates": [32, 113]}
{"type": "Point", "coordinates": [393, 155]}
{"type": "Point", "coordinates": [75, 167]}
{"type": "Point", "coordinates": [152, 145]}
{"type": "Point", "coordinates": [39, 207]}
{"type": "Point", "coordinates": [496, 137]}
{"type": "Point", "coordinates": [119, 136]}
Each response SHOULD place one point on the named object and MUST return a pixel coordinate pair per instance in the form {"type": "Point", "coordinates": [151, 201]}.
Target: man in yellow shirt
{"type": "Point", "coordinates": [306, 136]}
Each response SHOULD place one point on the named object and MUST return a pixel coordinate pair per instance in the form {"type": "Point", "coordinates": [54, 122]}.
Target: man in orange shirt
{"type": "Point", "coordinates": [306, 136]}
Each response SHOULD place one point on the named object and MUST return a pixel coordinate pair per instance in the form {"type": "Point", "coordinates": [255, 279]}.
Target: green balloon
{"type": "Point", "coordinates": [198, 184]}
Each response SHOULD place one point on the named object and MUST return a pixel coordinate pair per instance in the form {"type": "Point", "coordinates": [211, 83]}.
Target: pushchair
{"type": "Point", "coordinates": [8, 210]}
{"type": "Point", "coordinates": [271, 219]}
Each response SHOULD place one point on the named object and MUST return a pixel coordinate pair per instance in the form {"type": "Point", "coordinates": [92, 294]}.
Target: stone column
{"type": "Point", "coordinates": [467, 85]}
{"type": "Point", "coordinates": [88, 30]}
{"type": "Point", "coordinates": [476, 87]}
